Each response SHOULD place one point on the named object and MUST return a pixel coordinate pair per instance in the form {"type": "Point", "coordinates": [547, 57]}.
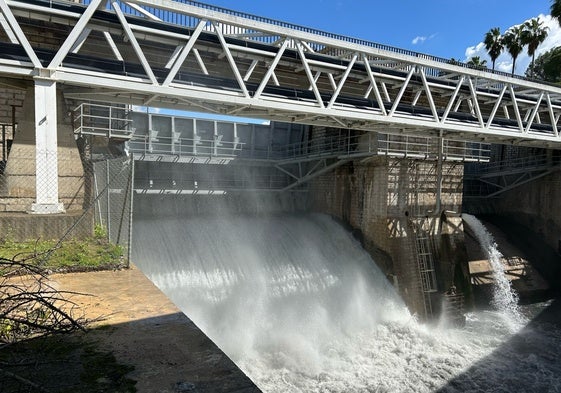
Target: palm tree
{"type": "Point", "coordinates": [476, 62]}
{"type": "Point", "coordinates": [494, 44]}
{"type": "Point", "coordinates": [533, 34]}
{"type": "Point", "coordinates": [556, 10]}
{"type": "Point", "coordinates": [513, 43]}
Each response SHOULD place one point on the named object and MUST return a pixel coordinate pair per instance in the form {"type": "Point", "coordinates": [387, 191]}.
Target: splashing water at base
{"type": "Point", "coordinates": [300, 307]}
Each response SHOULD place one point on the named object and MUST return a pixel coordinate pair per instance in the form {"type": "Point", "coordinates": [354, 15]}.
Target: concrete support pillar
{"type": "Point", "coordinates": [47, 177]}
{"type": "Point", "coordinates": [46, 158]}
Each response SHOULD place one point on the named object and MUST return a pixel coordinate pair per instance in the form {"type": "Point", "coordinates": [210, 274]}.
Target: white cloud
{"type": "Point", "coordinates": [421, 38]}
{"type": "Point", "coordinates": [504, 61]}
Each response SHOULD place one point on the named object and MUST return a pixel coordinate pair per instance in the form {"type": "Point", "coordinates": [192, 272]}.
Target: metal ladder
{"type": "Point", "coordinates": [421, 226]}
{"type": "Point", "coordinates": [425, 264]}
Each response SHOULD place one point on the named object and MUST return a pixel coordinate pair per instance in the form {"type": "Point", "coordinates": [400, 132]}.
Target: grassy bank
{"type": "Point", "coordinates": [74, 255]}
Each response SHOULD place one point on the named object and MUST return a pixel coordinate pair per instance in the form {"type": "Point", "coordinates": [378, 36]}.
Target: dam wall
{"type": "Point", "coordinates": [534, 205]}
{"type": "Point", "coordinates": [385, 200]}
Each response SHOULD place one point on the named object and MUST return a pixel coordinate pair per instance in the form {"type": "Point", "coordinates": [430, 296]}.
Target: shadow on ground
{"type": "Point", "coordinates": [112, 358]}
{"type": "Point", "coordinates": [528, 362]}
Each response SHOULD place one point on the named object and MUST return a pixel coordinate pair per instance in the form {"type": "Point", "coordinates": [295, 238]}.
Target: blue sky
{"type": "Point", "coordinates": [446, 28]}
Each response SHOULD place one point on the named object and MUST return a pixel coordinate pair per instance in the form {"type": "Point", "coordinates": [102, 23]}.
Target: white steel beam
{"type": "Point", "coordinates": [374, 85]}
{"type": "Point", "coordinates": [183, 55]}
{"type": "Point", "coordinates": [552, 115]}
{"type": "Point", "coordinates": [309, 75]}
{"type": "Point", "coordinates": [74, 34]}
{"type": "Point", "coordinates": [342, 81]}
{"type": "Point", "coordinates": [452, 99]}
{"type": "Point", "coordinates": [8, 30]}
{"type": "Point", "coordinates": [271, 70]}
{"type": "Point", "coordinates": [516, 109]}
{"type": "Point", "coordinates": [112, 45]}
{"type": "Point", "coordinates": [19, 34]}
{"type": "Point", "coordinates": [429, 95]}
{"type": "Point", "coordinates": [475, 102]}
{"type": "Point", "coordinates": [134, 42]}
{"type": "Point", "coordinates": [534, 112]}
{"type": "Point", "coordinates": [230, 58]}
{"type": "Point", "coordinates": [401, 91]}
{"type": "Point", "coordinates": [200, 61]}
{"type": "Point", "coordinates": [496, 107]}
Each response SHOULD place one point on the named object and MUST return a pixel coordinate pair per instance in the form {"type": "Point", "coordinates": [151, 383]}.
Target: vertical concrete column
{"type": "Point", "coordinates": [46, 159]}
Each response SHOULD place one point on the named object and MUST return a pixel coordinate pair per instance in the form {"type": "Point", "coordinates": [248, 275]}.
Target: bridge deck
{"type": "Point", "coordinates": [189, 56]}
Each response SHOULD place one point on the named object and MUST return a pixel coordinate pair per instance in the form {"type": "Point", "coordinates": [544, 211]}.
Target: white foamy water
{"type": "Point", "coordinates": [301, 307]}
{"type": "Point", "coordinates": [505, 299]}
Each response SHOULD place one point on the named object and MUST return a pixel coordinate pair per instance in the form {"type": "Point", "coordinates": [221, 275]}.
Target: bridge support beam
{"type": "Point", "coordinates": [46, 157]}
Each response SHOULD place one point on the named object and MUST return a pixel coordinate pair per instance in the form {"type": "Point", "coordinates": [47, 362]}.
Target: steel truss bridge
{"type": "Point", "coordinates": [188, 55]}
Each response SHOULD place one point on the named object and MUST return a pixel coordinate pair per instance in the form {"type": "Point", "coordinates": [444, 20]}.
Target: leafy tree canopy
{"type": "Point", "coordinates": [547, 66]}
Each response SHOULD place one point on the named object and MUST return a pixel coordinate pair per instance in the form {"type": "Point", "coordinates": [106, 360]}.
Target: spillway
{"type": "Point", "coordinates": [300, 307]}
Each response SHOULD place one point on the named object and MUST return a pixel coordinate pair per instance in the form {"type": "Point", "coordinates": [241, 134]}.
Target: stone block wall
{"type": "Point", "coordinates": [382, 199]}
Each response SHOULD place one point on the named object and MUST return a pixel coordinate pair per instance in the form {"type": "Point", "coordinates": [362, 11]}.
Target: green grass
{"type": "Point", "coordinates": [71, 255]}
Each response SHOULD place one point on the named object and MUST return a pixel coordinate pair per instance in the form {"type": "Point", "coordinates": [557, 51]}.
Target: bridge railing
{"type": "Point", "coordinates": [210, 183]}
{"type": "Point", "coordinates": [184, 20]}
{"type": "Point", "coordinates": [102, 120]}
{"type": "Point", "coordinates": [339, 145]}
{"type": "Point", "coordinates": [522, 163]}
{"type": "Point", "coordinates": [158, 145]}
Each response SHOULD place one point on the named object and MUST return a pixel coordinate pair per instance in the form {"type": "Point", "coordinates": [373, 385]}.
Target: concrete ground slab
{"type": "Point", "coordinates": [143, 328]}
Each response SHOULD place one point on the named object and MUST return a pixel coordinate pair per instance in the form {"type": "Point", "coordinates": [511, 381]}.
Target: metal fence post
{"type": "Point", "coordinates": [131, 191]}
{"type": "Point", "coordinates": [108, 190]}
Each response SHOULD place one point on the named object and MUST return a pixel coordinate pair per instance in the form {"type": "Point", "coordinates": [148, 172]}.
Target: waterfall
{"type": "Point", "coordinates": [505, 299]}
{"type": "Point", "coordinates": [299, 306]}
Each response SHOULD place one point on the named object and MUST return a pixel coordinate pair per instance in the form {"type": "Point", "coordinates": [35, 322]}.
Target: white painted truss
{"type": "Point", "coordinates": [170, 54]}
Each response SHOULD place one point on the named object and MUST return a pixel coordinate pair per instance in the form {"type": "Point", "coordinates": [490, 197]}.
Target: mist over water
{"type": "Point", "coordinates": [300, 307]}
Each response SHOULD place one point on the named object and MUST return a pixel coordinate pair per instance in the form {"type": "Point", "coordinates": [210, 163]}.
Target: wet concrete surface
{"type": "Point", "coordinates": [141, 327]}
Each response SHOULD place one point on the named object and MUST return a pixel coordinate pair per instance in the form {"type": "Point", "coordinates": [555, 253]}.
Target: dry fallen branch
{"type": "Point", "coordinates": [30, 306]}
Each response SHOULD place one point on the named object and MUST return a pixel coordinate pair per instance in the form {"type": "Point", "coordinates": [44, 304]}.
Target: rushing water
{"type": "Point", "coordinates": [505, 299]}
{"type": "Point", "coordinates": [300, 307]}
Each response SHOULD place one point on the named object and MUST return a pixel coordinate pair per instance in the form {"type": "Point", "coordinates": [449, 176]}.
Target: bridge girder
{"type": "Point", "coordinates": [228, 64]}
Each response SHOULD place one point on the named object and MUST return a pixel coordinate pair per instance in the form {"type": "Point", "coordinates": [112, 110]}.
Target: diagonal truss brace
{"type": "Point", "coordinates": [18, 32]}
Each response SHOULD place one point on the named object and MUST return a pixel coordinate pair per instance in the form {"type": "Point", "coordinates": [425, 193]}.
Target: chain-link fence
{"type": "Point", "coordinates": [95, 197]}
{"type": "Point", "coordinates": [113, 187]}
{"type": "Point", "coordinates": [93, 232]}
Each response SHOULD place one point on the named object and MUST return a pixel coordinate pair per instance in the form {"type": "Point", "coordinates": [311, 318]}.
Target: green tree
{"type": "Point", "coordinates": [476, 62]}
{"type": "Point", "coordinates": [533, 34]}
{"type": "Point", "coordinates": [513, 43]}
{"type": "Point", "coordinates": [494, 44]}
{"type": "Point", "coordinates": [547, 66]}
{"type": "Point", "coordinates": [556, 10]}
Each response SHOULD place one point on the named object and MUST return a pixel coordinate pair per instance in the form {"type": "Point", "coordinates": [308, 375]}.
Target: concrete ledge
{"type": "Point", "coordinates": [23, 226]}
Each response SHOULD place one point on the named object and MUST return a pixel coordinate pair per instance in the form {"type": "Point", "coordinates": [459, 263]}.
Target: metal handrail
{"type": "Point", "coordinates": [147, 144]}
{"type": "Point", "coordinates": [523, 162]}
{"type": "Point", "coordinates": [111, 122]}
{"type": "Point", "coordinates": [331, 145]}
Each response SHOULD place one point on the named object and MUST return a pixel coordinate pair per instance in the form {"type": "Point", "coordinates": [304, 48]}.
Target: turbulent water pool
{"type": "Point", "coordinates": [300, 307]}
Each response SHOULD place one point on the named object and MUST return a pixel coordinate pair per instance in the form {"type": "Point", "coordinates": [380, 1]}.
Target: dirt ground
{"type": "Point", "coordinates": [142, 328]}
